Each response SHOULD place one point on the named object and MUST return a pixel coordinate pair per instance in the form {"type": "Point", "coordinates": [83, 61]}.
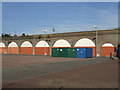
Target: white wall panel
{"type": "Point", "coordinates": [26, 44]}
{"type": "Point", "coordinates": [42, 44]}
{"type": "Point", "coordinates": [12, 44]}
{"type": "Point", "coordinates": [61, 43]}
{"type": "Point", "coordinates": [84, 42]}
{"type": "Point", "coordinates": [107, 45]}
{"type": "Point", "coordinates": [2, 44]}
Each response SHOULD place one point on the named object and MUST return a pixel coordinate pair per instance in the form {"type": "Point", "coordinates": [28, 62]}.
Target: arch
{"type": "Point", "coordinates": [107, 45]}
{"type": "Point", "coordinates": [61, 43]}
{"type": "Point", "coordinates": [106, 49]}
{"type": "Point", "coordinates": [86, 43]}
{"type": "Point", "coordinates": [42, 44]}
{"type": "Point", "coordinates": [13, 48]}
{"type": "Point", "coordinates": [26, 48]}
{"type": "Point", "coordinates": [2, 44]}
{"type": "Point", "coordinates": [2, 48]}
{"type": "Point", "coordinates": [26, 44]}
{"type": "Point", "coordinates": [42, 48]}
{"type": "Point", "coordinates": [12, 44]}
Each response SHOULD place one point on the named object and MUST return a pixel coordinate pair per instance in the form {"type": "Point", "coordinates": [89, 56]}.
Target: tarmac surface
{"type": "Point", "coordinates": [20, 71]}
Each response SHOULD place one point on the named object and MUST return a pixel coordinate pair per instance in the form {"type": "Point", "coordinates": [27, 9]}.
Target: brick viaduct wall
{"type": "Point", "coordinates": [104, 36]}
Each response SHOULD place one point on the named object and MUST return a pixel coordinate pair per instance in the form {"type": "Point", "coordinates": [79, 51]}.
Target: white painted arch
{"type": "Point", "coordinates": [42, 44]}
{"type": "Point", "coordinates": [26, 44]}
{"type": "Point", "coordinates": [2, 44]}
{"type": "Point", "coordinates": [12, 44]}
{"type": "Point", "coordinates": [61, 43]}
{"type": "Point", "coordinates": [107, 45]}
{"type": "Point", "coordinates": [84, 42]}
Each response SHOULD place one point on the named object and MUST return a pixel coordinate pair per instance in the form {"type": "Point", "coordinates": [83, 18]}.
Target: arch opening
{"type": "Point", "coordinates": [86, 43]}
{"type": "Point", "coordinates": [13, 48]}
{"type": "Point", "coordinates": [2, 48]}
{"type": "Point", "coordinates": [2, 44]}
{"type": "Point", "coordinates": [26, 44]}
{"type": "Point", "coordinates": [26, 48]}
{"type": "Point", "coordinates": [106, 49]}
{"type": "Point", "coordinates": [42, 48]}
{"type": "Point", "coordinates": [61, 43]}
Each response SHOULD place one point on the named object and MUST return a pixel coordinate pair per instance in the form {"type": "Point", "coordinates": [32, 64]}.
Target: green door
{"type": "Point", "coordinates": [63, 52]}
{"type": "Point", "coordinates": [55, 52]}
{"type": "Point", "coordinates": [72, 52]}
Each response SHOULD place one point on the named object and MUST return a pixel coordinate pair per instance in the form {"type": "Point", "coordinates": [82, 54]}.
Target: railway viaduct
{"type": "Point", "coordinates": [104, 36]}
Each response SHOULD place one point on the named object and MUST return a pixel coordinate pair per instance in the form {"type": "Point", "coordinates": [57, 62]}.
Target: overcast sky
{"type": "Point", "coordinates": [33, 17]}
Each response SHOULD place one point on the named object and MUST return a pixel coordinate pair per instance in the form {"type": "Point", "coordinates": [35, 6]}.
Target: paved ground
{"type": "Point", "coordinates": [41, 71]}
{"type": "Point", "coordinates": [18, 60]}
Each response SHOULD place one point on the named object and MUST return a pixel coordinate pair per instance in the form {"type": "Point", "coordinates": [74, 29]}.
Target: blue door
{"type": "Point", "coordinates": [115, 49]}
{"type": "Point", "coordinates": [88, 52]}
{"type": "Point", "coordinates": [118, 51]}
{"type": "Point", "coordinates": [80, 53]}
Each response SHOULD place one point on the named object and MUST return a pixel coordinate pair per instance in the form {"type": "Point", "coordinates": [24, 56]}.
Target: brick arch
{"type": "Point", "coordinates": [106, 50]}
{"type": "Point", "coordinates": [25, 41]}
{"type": "Point", "coordinates": [13, 44]}
{"type": "Point", "coordinates": [40, 49]}
{"type": "Point", "coordinates": [13, 48]}
{"type": "Point", "coordinates": [2, 48]}
{"type": "Point", "coordinates": [26, 49]}
{"type": "Point", "coordinates": [2, 44]}
{"type": "Point", "coordinates": [104, 42]}
{"type": "Point", "coordinates": [41, 42]}
{"type": "Point", "coordinates": [86, 43]}
{"type": "Point", "coordinates": [26, 44]}
{"type": "Point", "coordinates": [35, 42]}
{"type": "Point", "coordinates": [52, 42]}
{"type": "Point", "coordinates": [63, 44]}
{"type": "Point", "coordinates": [85, 40]}
{"type": "Point", "coordinates": [107, 43]}
{"type": "Point", "coordinates": [78, 38]}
